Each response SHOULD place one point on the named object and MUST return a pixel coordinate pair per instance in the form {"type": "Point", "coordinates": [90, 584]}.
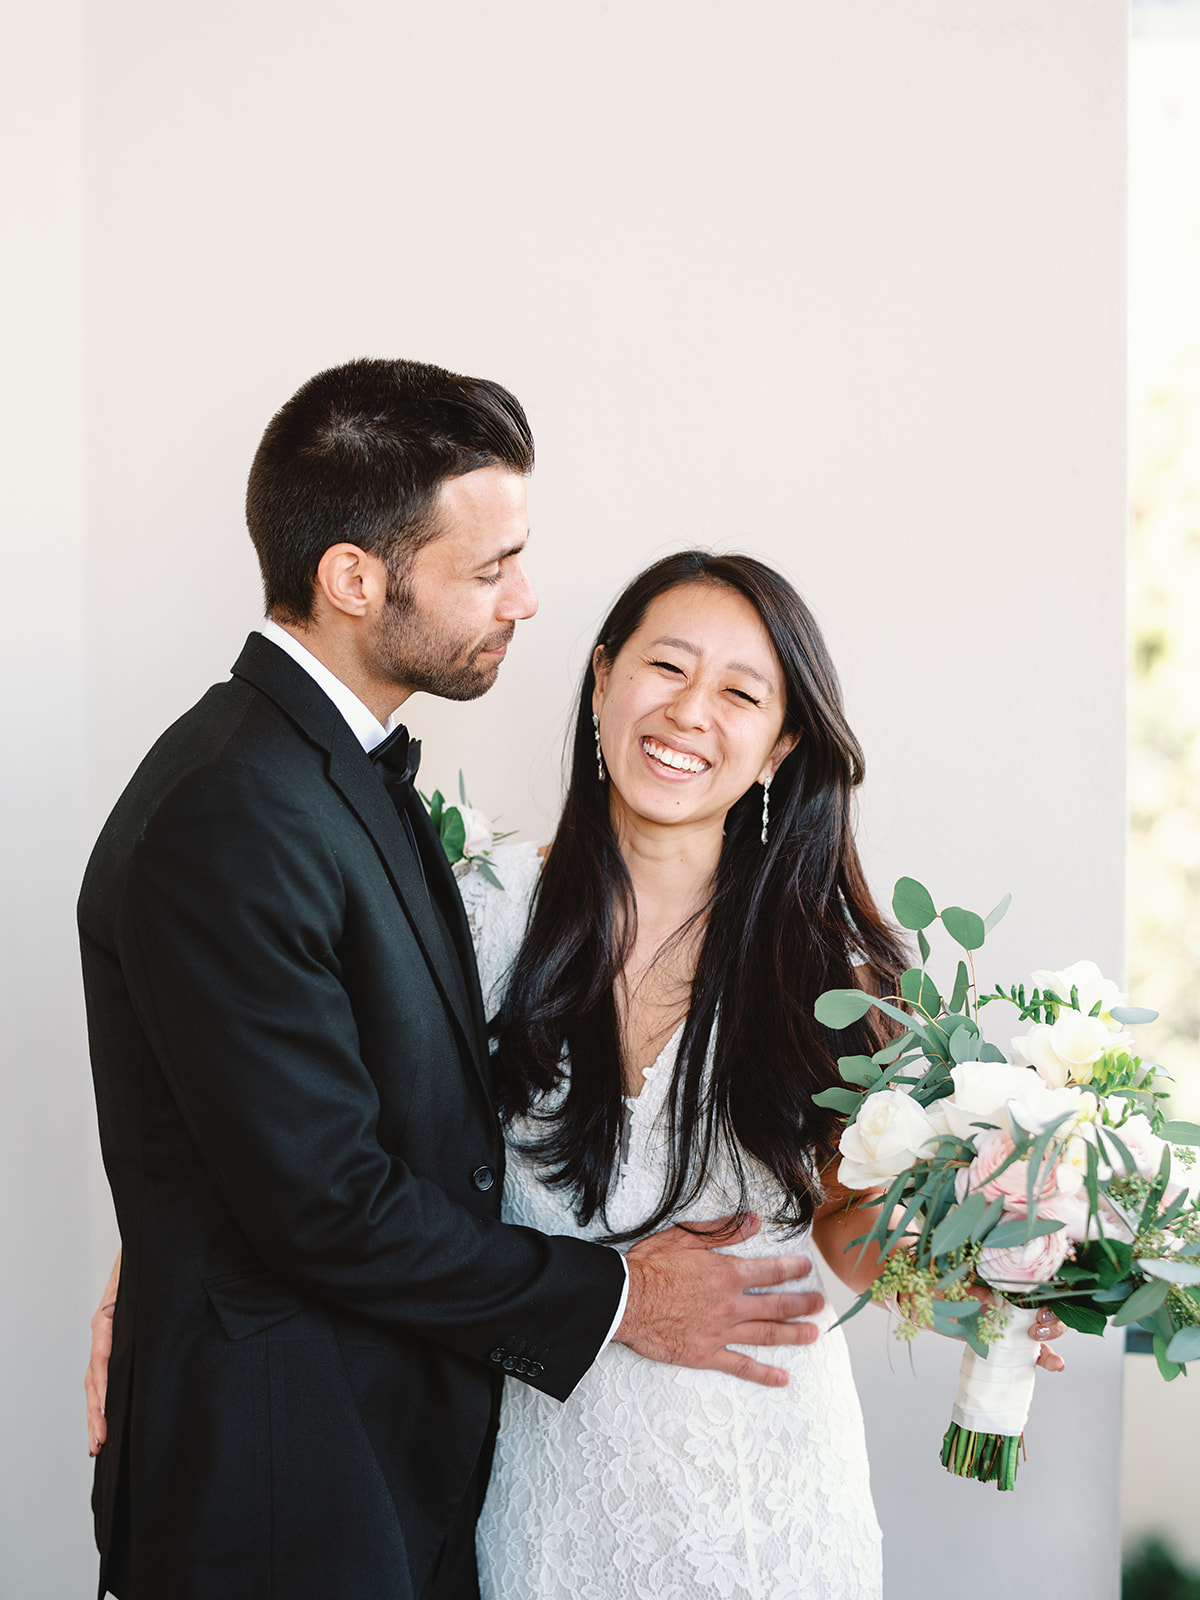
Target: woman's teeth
{"type": "Point", "coordinates": [674, 758]}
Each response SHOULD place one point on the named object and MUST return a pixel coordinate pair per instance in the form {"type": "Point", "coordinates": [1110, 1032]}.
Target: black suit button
{"type": "Point", "coordinates": [510, 1363]}
{"type": "Point", "coordinates": [483, 1178]}
{"type": "Point", "coordinates": [497, 1355]}
{"type": "Point", "coordinates": [536, 1369]}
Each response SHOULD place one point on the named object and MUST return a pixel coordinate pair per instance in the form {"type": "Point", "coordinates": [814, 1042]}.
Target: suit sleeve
{"type": "Point", "coordinates": [227, 935]}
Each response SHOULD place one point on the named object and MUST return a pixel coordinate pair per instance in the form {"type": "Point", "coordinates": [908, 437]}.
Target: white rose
{"type": "Point", "coordinates": [1039, 1105]}
{"type": "Point", "coordinates": [478, 839]}
{"type": "Point", "coordinates": [982, 1090]}
{"type": "Point", "coordinates": [890, 1133]}
{"type": "Point", "coordinates": [1065, 1050]}
{"type": "Point", "coordinates": [1092, 986]}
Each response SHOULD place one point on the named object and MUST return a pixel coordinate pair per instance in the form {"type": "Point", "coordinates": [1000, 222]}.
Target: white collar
{"type": "Point", "coordinates": [364, 724]}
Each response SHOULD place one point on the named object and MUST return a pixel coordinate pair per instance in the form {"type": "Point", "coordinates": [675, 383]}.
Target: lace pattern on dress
{"type": "Point", "coordinates": [655, 1482]}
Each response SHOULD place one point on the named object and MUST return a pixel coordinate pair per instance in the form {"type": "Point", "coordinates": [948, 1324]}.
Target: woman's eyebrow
{"type": "Point", "coordinates": [730, 666]}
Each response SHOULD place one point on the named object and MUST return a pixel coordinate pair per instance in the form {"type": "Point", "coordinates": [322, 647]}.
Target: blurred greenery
{"type": "Point", "coordinates": [1164, 773]}
{"type": "Point", "coordinates": [1152, 1572]}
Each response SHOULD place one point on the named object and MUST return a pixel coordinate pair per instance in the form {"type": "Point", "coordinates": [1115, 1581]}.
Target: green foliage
{"type": "Point", "coordinates": [912, 904]}
{"type": "Point", "coordinates": [1152, 1571]}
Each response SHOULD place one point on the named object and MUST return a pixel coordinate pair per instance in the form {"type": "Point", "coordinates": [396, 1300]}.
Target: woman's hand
{"type": "Point", "coordinates": [95, 1379]}
{"type": "Point", "coordinates": [1048, 1327]}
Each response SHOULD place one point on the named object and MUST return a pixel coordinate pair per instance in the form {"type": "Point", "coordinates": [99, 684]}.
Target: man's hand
{"type": "Point", "coordinates": [95, 1379]}
{"type": "Point", "coordinates": [687, 1302]}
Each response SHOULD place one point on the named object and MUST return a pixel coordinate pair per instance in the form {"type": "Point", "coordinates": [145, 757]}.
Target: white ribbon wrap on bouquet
{"type": "Point", "coordinates": [994, 1392]}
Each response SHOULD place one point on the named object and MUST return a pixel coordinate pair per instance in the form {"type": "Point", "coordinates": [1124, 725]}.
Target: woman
{"type": "Point", "coordinates": [659, 1057]}
{"type": "Point", "coordinates": [653, 1017]}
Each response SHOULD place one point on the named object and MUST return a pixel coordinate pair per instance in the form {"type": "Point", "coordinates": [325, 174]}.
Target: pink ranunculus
{"type": "Point", "coordinates": [1035, 1262]}
{"type": "Point", "coordinates": [992, 1150]}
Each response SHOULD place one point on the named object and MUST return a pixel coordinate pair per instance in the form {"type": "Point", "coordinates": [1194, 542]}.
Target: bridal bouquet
{"type": "Point", "coordinates": [466, 834]}
{"type": "Point", "coordinates": [1049, 1176]}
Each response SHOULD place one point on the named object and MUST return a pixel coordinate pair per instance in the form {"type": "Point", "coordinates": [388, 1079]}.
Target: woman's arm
{"type": "Point", "coordinates": [95, 1379]}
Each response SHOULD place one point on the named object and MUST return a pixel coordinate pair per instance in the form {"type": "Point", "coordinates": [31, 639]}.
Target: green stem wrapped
{"type": "Point", "coordinates": [990, 1457]}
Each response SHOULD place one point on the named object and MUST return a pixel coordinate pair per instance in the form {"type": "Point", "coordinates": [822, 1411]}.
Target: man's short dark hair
{"type": "Point", "coordinates": [358, 455]}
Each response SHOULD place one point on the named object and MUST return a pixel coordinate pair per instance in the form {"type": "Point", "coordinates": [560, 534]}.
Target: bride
{"type": "Point", "coordinates": [651, 990]}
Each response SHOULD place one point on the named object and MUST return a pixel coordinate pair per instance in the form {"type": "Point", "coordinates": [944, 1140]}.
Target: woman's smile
{"type": "Point", "coordinates": [670, 762]}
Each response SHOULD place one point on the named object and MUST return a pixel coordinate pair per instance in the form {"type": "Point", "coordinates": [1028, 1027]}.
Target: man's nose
{"type": "Point", "coordinates": [520, 601]}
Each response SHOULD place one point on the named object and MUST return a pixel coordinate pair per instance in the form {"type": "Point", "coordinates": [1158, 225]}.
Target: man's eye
{"type": "Point", "coordinates": [490, 579]}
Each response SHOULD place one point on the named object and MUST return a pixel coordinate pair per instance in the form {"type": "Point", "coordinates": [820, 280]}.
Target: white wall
{"type": "Point", "coordinates": [842, 285]}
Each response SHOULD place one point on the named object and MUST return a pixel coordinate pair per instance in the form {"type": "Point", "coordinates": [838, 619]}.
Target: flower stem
{"type": "Point", "coordinates": [990, 1457]}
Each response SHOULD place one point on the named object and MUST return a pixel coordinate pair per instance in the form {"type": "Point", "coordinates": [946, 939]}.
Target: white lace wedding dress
{"type": "Point", "coordinates": [655, 1482]}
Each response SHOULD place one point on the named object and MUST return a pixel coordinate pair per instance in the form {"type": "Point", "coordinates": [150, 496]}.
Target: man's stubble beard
{"type": "Point", "coordinates": [422, 655]}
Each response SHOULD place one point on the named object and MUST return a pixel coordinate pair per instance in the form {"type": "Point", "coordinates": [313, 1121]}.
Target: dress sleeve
{"type": "Point", "coordinates": [498, 917]}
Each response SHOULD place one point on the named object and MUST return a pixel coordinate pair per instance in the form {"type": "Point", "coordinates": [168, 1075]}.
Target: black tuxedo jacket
{"type": "Point", "coordinates": [317, 1298]}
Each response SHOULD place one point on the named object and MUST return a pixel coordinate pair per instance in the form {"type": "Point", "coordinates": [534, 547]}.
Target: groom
{"type": "Point", "coordinates": [317, 1300]}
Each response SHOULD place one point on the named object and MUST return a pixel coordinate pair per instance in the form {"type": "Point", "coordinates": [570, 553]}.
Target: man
{"type": "Point", "coordinates": [317, 1300]}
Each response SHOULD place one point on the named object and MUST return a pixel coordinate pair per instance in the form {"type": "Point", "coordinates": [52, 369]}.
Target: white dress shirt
{"type": "Point", "coordinates": [370, 732]}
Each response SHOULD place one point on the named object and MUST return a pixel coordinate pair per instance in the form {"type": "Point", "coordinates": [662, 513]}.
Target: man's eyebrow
{"type": "Point", "coordinates": [730, 666]}
{"type": "Point", "coordinates": [503, 555]}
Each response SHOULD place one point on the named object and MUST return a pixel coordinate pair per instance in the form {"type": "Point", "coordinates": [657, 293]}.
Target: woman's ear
{"type": "Point", "coordinates": [784, 746]}
{"type": "Point", "coordinates": [601, 667]}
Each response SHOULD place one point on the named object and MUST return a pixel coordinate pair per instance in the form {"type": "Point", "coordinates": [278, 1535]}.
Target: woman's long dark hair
{"type": "Point", "coordinates": [780, 927]}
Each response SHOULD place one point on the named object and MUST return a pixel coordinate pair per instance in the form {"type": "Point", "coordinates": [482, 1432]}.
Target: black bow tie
{"type": "Point", "coordinates": [397, 758]}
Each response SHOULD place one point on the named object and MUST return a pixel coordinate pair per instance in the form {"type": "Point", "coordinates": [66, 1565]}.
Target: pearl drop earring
{"type": "Point", "coordinates": [766, 807]}
{"type": "Point", "coordinates": [599, 755]}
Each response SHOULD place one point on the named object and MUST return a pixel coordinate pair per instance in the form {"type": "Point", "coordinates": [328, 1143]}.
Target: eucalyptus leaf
{"type": "Point", "coordinates": [923, 944]}
{"type": "Point", "coordinates": [1142, 1302]}
{"type": "Point", "coordinates": [896, 1048]}
{"type": "Point", "coordinates": [989, 1052]}
{"type": "Point", "coordinates": [1018, 1231]}
{"type": "Point", "coordinates": [1133, 1014]}
{"type": "Point", "coordinates": [854, 1309]}
{"type": "Point", "coordinates": [964, 1045]}
{"type": "Point", "coordinates": [988, 1220]}
{"type": "Point", "coordinates": [1185, 1346]}
{"type": "Point", "coordinates": [957, 1225]}
{"type": "Point", "coordinates": [962, 982]}
{"type": "Point", "coordinates": [964, 927]}
{"type": "Point", "coordinates": [1169, 1369]}
{"type": "Point", "coordinates": [921, 992]}
{"type": "Point", "coordinates": [486, 871]}
{"type": "Point", "coordinates": [838, 1008]}
{"type": "Point", "coordinates": [959, 1310]}
{"type": "Point", "coordinates": [462, 789]}
{"type": "Point", "coordinates": [1180, 1132]}
{"type": "Point", "coordinates": [913, 904]}
{"type": "Point", "coordinates": [1170, 1271]}
{"type": "Point", "coordinates": [845, 1101]}
{"type": "Point", "coordinates": [860, 1070]}
{"type": "Point", "coordinates": [996, 913]}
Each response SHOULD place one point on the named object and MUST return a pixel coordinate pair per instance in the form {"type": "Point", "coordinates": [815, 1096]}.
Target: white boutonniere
{"type": "Point", "coordinates": [467, 835]}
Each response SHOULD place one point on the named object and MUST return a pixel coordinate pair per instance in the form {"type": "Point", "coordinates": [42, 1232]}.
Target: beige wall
{"type": "Point", "coordinates": [842, 285]}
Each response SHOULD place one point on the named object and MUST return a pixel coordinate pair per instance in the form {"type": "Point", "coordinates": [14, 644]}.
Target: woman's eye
{"type": "Point", "coordinates": [668, 666]}
{"type": "Point", "coordinates": [742, 695]}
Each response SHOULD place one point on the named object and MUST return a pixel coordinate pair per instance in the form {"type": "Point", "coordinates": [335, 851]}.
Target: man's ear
{"type": "Point", "coordinates": [601, 666]}
{"type": "Point", "coordinates": [351, 581]}
{"type": "Point", "coordinates": [784, 746]}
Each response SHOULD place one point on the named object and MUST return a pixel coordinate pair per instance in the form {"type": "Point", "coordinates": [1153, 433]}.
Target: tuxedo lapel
{"type": "Point", "coordinates": [306, 705]}
{"type": "Point", "coordinates": [443, 887]}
